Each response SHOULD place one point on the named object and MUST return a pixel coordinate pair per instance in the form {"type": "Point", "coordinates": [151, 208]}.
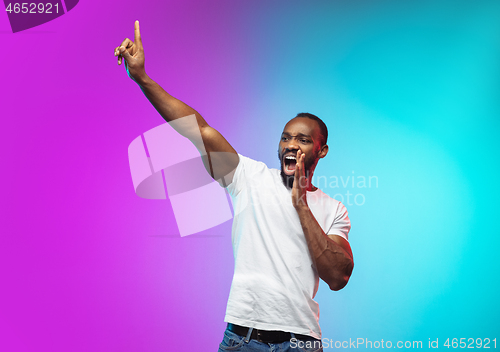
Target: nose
{"type": "Point", "coordinates": [292, 144]}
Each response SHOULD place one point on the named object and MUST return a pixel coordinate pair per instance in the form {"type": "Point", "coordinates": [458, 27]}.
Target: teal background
{"type": "Point", "coordinates": [410, 92]}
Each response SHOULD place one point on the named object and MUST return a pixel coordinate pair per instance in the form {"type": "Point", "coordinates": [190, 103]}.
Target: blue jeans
{"type": "Point", "coordinates": [237, 343]}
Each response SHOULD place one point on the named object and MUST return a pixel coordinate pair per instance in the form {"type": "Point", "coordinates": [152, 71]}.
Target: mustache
{"type": "Point", "coordinates": [287, 152]}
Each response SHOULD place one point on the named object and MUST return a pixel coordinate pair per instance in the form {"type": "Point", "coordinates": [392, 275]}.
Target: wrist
{"type": "Point", "coordinates": [143, 80]}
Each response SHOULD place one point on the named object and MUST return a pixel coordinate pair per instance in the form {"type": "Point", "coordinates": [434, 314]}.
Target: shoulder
{"type": "Point", "coordinates": [334, 211]}
{"type": "Point", "coordinates": [250, 166]}
{"type": "Point", "coordinates": [248, 170]}
{"type": "Point", "coordinates": [323, 199]}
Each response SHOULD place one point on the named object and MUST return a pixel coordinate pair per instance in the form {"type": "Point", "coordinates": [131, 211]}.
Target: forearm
{"type": "Point", "coordinates": [219, 158]}
{"type": "Point", "coordinates": [168, 107]}
{"type": "Point", "coordinates": [333, 263]}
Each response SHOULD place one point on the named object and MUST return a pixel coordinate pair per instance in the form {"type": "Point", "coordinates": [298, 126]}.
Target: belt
{"type": "Point", "coordinates": [267, 336]}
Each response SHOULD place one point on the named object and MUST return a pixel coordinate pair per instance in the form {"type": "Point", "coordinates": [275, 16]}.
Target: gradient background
{"type": "Point", "coordinates": [410, 92]}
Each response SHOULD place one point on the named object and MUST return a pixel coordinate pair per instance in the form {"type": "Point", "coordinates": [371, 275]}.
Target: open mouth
{"type": "Point", "coordinates": [289, 161]}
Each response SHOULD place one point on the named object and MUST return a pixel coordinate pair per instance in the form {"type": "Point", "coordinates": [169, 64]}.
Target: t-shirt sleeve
{"type": "Point", "coordinates": [341, 224]}
{"type": "Point", "coordinates": [243, 171]}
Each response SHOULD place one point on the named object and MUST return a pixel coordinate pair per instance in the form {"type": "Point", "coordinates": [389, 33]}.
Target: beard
{"type": "Point", "coordinates": [287, 179]}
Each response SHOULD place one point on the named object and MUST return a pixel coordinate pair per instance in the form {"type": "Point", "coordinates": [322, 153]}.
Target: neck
{"type": "Point", "coordinates": [309, 175]}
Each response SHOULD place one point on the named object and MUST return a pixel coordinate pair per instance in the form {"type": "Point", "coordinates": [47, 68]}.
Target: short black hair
{"type": "Point", "coordinates": [322, 126]}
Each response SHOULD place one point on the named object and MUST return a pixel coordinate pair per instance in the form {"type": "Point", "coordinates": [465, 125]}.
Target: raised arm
{"type": "Point", "coordinates": [221, 158]}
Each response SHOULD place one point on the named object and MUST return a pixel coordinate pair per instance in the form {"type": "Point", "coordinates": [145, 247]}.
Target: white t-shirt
{"type": "Point", "coordinates": [274, 282]}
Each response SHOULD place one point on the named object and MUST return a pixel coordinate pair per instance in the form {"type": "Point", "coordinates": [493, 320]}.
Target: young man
{"type": "Point", "coordinates": [286, 232]}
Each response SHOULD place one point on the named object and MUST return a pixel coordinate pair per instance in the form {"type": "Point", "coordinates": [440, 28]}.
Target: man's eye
{"type": "Point", "coordinates": [305, 141]}
{"type": "Point", "coordinates": [284, 139]}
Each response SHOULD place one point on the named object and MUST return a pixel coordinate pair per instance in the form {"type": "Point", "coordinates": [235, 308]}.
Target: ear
{"type": "Point", "coordinates": [323, 151]}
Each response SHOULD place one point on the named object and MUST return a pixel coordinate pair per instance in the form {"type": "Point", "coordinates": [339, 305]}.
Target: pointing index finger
{"type": "Point", "coordinates": [137, 34]}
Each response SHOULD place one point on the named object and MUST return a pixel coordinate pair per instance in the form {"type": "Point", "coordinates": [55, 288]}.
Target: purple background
{"type": "Point", "coordinates": [409, 92]}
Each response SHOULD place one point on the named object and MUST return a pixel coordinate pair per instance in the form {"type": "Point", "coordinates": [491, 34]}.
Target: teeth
{"type": "Point", "coordinates": [290, 157]}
